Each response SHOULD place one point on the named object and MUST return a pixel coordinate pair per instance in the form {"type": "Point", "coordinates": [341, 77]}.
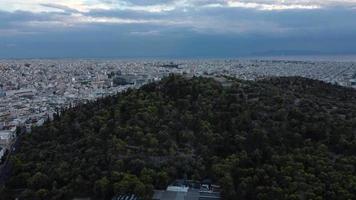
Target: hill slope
{"type": "Point", "coordinates": [283, 138]}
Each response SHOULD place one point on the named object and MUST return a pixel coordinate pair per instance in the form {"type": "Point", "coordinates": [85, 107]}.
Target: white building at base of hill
{"type": "Point", "coordinates": [6, 136]}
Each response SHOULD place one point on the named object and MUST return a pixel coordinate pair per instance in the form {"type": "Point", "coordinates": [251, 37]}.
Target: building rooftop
{"type": "Point", "coordinates": [187, 190]}
{"type": "Point", "coordinates": [5, 134]}
{"type": "Point", "coordinates": [177, 188]}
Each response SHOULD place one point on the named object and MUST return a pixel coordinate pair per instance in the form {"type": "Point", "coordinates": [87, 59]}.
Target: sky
{"type": "Point", "coordinates": [176, 28]}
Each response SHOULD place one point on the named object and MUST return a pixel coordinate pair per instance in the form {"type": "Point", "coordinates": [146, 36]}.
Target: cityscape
{"type": "Point", "coordinates": [177, 99]}
{"type": "Point", "coordinates": [31, 91]}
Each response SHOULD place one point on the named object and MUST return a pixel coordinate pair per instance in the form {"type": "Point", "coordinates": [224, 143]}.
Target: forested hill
{"type": "Point", "coordinates": [281, 138]}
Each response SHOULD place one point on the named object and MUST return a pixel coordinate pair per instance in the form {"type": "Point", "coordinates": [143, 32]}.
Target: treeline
{"type": "Point", "coordinates": [281, 138]}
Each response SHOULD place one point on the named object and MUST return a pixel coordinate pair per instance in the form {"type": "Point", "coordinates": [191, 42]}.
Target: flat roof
{"type": "Point", "coordinates": [5, 134]}
{"type": "Point", "coordinates": [177, 188]}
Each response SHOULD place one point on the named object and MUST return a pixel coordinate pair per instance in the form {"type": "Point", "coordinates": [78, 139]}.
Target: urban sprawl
{"type": "Point", "coordinates": [31, 91]}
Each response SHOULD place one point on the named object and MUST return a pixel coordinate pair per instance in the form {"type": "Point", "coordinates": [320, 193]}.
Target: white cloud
{"type": "Point", "coordinates": [169, 5]}
{"type": "Point", "coordinates": [81, 19]}
{"type": "Point", "coordinates": [146, 33]}
{"type": "Point", "coordinates": [274, 6]}
{"type": "Point", "coordinates": [198, 15]}
{"type": "Point", "coordinates": [37, 5]}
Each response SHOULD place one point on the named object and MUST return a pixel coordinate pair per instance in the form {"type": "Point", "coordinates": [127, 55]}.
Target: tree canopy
{"type": "Point", "coordinates": [278, 138]}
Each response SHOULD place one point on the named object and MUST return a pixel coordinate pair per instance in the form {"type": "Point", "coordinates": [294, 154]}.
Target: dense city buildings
{"type": "Point", "coordinates": [32, 90]}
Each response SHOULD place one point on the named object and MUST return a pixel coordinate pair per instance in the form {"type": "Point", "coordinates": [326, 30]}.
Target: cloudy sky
{"type": "Point", "coordinates": [175, 28]}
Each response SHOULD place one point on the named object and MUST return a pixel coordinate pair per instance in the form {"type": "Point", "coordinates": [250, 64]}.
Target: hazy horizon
{"type": "Point", "coordinates": [311, 58]}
